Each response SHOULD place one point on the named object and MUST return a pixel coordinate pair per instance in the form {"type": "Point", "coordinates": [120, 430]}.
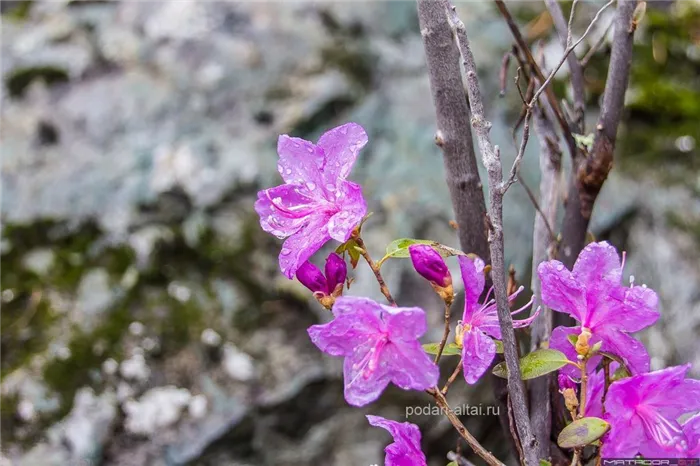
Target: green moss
{"type": "Point", "coordinates": [19, 79]}
{"type": "Point", "coordinates": [19, 11]}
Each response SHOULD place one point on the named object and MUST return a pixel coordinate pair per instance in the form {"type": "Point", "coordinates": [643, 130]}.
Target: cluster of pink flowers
{"type": "Point", "coordinates": [380, 344]}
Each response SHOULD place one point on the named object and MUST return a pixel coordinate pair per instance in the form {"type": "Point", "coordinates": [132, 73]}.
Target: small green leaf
{"type": "Point", "coordinates": [572, 339]}
{"type": "Point", "coordinates": [535, 364]}
{"type": "Point", "coordinates": [452, 463]}
{"type": "Point", "coordinates": [353, 250]}
{"type": "Point", "coordinates": [583, 141]}
{"type": "Point", "coordinates": [399, 248]}
{"type": "Point", "coordinates": [619, 360]}
{"type": "Point", "coordinates": [582, 432]}
{"type": "Point", "coordinates": [620, 373]}
{"type": "Point", "coordinates": [545, 463]}
{"type": "Point", "coordinates": [450, 349]}
{"type": "Point", "coordinates": [499, 346]}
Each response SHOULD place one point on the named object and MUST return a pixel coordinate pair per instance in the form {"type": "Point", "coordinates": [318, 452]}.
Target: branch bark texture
{"type": "Point", "coordinates": [492, 161]}
{"type": "Point", "coordinates": [454, 135]}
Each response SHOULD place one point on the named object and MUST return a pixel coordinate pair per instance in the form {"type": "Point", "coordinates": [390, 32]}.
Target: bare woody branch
{"type": "Point", "coordinates": [590, 172]}
{"type": "Point", "coordinates": [491, 159]}
{"type": "Point", "coordinates": [577, 81]}
{"type": "Point", "coordinates": [454, 132]}
{"type": "Point", "coordinates": [542, 248]}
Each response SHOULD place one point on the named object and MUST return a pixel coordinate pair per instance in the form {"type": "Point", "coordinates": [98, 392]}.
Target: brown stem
{"type": "Point", "coordinates": [511, 425]}
{"type": "Point", "coordinates": [445, 333]}
{"type": "Point", "coordinates": [453, 377]}
{"type": "Point", "coordinates": [584, 388]}
{"type": "Point", "coordinates": [492, 161]}
{"type": "Point", "coordinates": [463, 432]}
{"type": "Point", "coordinates": [375, 268]}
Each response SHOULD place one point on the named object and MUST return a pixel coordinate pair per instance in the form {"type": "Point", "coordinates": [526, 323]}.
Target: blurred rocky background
{"type": "Point", "coordinates": [144, 320]}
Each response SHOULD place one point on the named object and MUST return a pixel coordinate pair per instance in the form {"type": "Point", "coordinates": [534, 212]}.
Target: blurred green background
{"type": "Point", "coordinates": [144, 319]}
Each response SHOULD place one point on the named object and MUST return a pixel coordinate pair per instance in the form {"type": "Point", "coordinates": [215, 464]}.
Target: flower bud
{"type": "Point", "coordinates": [565, 382]}
{"type": "Point", "coordinates": [581, 346]}
{"type": "Point", "coordinates": [570, 399]}
{"type": "Point", "coordinates": [430, 265]}
{"type": "Point", "coordinates": [336, 273]}
{"type": "Point", "coordinates": [459, 334]}
{"type": "Point", "coordinates": [311, 277]}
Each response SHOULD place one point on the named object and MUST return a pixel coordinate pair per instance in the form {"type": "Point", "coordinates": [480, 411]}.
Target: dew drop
{"type": "Point", "coordinates": [560, 267]}
{"type": "Point", "coordinates": [288, 171]}
{"type": "Point", "coordinates": [311, 185]}
{"type": "Point", "coordinates": [330, 187]}
{"type": "Point", "coordinates": [310, 149]}
{"type": "Point", "coordinates": [285, 251]}
{"type": "Point", "coordinates": [343, 130]}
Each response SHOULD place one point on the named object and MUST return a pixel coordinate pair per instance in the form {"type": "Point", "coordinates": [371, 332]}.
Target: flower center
{"type": "Point", "coordinates": [666, 433]}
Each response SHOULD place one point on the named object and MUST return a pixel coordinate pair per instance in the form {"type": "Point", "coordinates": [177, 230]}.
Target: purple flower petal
{"type": "Point", "coordinates": [405, 451]}
{"type": "Point", "coordinates": [284, 210]}
{"type": "Point", "coordinates": [380, 345]}
{"type": "Point", "coordinates": [336, 271]}
{"type": "Point", "coordinates": [478, 351]}
{"type": "Point", "coordinates": [429, 264]}
{"type": "Point", "coordinates": [300, 161]}
{"type": "Point", "coordinates": [341, 146]}
{"type": "Point", "coordinates": [630, 309]}
{"type": "Point", "coordinates": [560, 290]}
{"type": "Point", "coordinates": [352, 208]}
{"type": "Point", "coordinates": [311, 277]}
{"type": "Point", "coordinates": [631, 351]}
{"type": "Point", "coordinates": [624, 437]}
{"type": "Point", "coordinates": [473, 278]}
{"type": "Point", "coordinates": [596, 262]}
{"type": "Point", "coordinates": [691, 429]}
{"type": "Point", "coordinates": [299, 247]}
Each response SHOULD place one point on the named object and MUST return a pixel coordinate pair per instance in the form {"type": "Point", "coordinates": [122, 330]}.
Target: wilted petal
{"type": "Point", "coordinates": [299, 247]}
{"type": "Point", "coordinates": [311, 277]}
{"type": "Point", "coordinates": [300, 161]}
{"type": "Point", "coordinates": [596, 262]}
{"type": "Point", "coordinates": [477, 354]}
{"type": "Point", "coordinates": [560, 290]}
{"type": "Point", "coordinates": [341, 146]}
{"type": "Point", "coordinates": [285, 209]}
{"type": "Point", "coordinates": [429, 264]}
{"type": "Point", "coordinates": [352, 208]}
{"type": "Point", "coordinates": [405, 451]}
{"type": "Point", "coordinates": [336, 271]}
{"type": "Point", "coordinates": [632, 351]}
{"type": "Point", "coordinates": [473, 278]}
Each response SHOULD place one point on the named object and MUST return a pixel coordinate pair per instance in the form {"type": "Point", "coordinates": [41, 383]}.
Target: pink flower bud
{"type": "Point", "coordinates": [336, 271]}
{"type": "Point", "coordinates": [311, 277]}
{"type": "Point", "coordinates": [565, 382]}
{"type": "Point", "coordinates": [430, 265]}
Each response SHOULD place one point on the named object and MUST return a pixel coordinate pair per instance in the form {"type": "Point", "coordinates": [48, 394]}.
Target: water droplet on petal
{"type": "Point", "coordinates": [343, 130]}
{"type": "Point", "coordinates": [310, 149]}
{"type": "Point", "coordinates": [288, 171]}
{"type": "Point", "coordinates": [330, 187]}
{"type": "Point", "coordinates": [560, 267]}
{"type": "Point", "coordinates": [285, 251]}
{"type": "Point", "coordinates": [311, 185]}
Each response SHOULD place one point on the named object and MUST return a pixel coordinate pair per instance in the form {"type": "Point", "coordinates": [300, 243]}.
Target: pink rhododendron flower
{"type": "Point", "coordinates": [380, 345]}
{"type": "Point", "coordinates": [480, 321]}
{"type": "Point", "coordinates": [316, 203]}
{"type": "Point", "coordinates": [405, 451]}
{"type": "Point", "coordinates": [643, 412]}
{"type": "Point", "coordinates": [593, 295]}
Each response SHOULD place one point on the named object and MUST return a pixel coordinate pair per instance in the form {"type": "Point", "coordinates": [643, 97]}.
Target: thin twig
{"type": "Point", "coordinates": [538, 209]}
{"type": "Point", "coordinates": [453, 377]}
{"type": "Point", "coordinates": [463, 432]}
{"type": "Point", "coordinates": [492, 161]}
{"type": "Point", "coordinates": [511, 425]}
{"type": "Point", "coordinates": [377, 272]}
{"type": "Point", "coordinates": [445, 333]}
{"type": "Point", "coordinates": [515, 168]}
{"type": "Point", "coordinates": [567, 52]}
{"type": "Point", "coordinates": [598, 44]}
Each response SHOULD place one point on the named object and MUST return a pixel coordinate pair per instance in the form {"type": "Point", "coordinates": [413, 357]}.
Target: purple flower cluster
{"type": "Point", "coordinates": [380, 344]}
{"type": "Point", "coordinates": [643, 410]}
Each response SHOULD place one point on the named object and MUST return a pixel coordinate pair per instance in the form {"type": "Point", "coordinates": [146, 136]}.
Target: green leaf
{"type": "Point", "coordinates": [450, 349]}
{"type": "Point", "coordinates": [535, 364]}
{"type": "Point", "coordinates": [452, 463]}
{"type": "Point", "coordinates": [545, 463]}
{"type": "Point", "coordinates": [582, 432]}
{"type": "Point", "coordinates": [572, 339]}
{"type": "Point", "coordinates": [399, 248]}
{"type": "Point", "coordinates": [353, 250]}
{"type": "Point", "coordinates": [619, 360]}
{"type": "Point", "coordinates": [583, 141]}
{"type": "Point", "coordinates": [620, 373]}
{"type": "Point", "coordinates": [499, 346]}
